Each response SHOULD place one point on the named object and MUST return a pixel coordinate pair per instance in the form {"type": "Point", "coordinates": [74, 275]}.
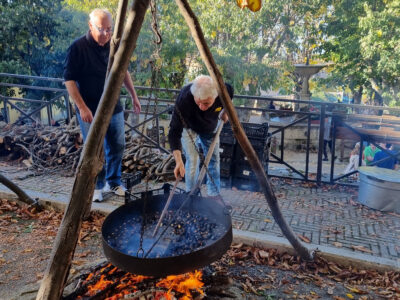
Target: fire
{"type": "Point", "coordinates": [98, 286]}
{"type": "Point", "coordinates": [120, 285]}
{"type": "Point", "coordinates": [184, 284]}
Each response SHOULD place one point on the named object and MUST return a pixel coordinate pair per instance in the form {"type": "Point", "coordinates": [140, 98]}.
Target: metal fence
{"type": "Point", "coordinates": [157, 104]}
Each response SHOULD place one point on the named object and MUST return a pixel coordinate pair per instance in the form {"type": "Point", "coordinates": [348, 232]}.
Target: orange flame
{"type": "Point", "coordinates": [98, 286]}
{"type": "Point", "coordinates": [183, 284]}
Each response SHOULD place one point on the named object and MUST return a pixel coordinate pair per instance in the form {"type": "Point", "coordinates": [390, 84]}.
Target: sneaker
{"type": "Point", "coordinates": [97, 196]}
{"type": "Point", "coordinates": [325, 159]}
{"type": "Point", "coordinates": [118, 190]}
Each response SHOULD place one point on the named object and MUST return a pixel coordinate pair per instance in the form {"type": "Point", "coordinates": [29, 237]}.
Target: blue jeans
{"type": "Point", "coordinates": [193, 161]}
{"type": "Point", "coordinates": [114, 145]}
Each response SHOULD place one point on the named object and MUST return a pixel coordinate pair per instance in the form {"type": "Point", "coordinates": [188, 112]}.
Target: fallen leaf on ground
{"type": "Point", "coordinates": [356, 290]}
{"type": "Point", "coordinates": [304, 238]}
{"type": "Point", "coordinates": [263, 254]}
{"type": "Point", "coordinates": [361, 248]}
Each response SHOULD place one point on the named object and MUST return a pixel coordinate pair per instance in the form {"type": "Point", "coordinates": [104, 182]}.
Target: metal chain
{"type": "Point", "coordinates": [154, 81]}
{"type": "Point", "coordinates": [154, 23]}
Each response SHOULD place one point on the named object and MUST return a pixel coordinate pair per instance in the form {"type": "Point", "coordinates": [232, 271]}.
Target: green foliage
{"type": "Point", "coordinates": [254, 51]}
{"type": "Point", "coordinates": [34, 37]}
{"type": "Point", "coordinates": [380, 28]}
{"type": "Point", "coordinates": [362, 41]}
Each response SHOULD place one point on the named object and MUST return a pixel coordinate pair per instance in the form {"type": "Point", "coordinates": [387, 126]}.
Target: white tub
{"type": "Point", "coordinates": [379, 188]}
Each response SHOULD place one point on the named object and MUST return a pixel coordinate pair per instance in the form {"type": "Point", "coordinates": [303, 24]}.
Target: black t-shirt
{"type": "Point", "coordinates": [86, 63]}
{"type": "Point", "coordinates": [201, 122]}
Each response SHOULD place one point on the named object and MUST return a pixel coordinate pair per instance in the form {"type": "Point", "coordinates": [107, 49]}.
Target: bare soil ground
{"type": "Point", "coordinates": [249, 273]}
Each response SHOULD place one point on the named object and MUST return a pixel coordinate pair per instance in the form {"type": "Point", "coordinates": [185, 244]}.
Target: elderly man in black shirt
{"type": "Point", "coordinates": [196, 113]}
{"type": "Point", "coordinates": [85, 70]}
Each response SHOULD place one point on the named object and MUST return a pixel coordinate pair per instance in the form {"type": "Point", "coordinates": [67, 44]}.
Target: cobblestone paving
{"type": "Point", "coordinates": [325, 215]}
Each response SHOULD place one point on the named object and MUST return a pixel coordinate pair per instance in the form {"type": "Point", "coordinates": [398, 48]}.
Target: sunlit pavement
{"type": "Point", "coordinates": [324, 217]}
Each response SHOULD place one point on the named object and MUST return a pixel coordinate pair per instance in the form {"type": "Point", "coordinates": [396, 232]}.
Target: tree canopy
{"type": "Point", "coordinates": [255, 51]}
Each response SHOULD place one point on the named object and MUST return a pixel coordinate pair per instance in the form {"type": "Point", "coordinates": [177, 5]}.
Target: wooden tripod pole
{"type": "Point", "coordinates": [240, 135]}
{"type": "Point", "coordinates": [90, 164]}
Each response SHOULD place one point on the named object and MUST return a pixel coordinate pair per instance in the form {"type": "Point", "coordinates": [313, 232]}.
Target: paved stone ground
{"type": "Point", "coordinates": [327, 216]}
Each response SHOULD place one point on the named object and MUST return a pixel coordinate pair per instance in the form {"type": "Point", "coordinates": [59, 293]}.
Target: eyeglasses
{"type": "Point", "coordinates": [102, 30]}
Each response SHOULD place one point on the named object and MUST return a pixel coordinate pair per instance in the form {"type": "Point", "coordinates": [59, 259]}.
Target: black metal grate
{"type": "Point", "coordinates": [165, 189]}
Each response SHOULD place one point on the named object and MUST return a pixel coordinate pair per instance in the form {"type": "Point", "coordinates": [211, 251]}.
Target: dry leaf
{"type": "Point", "coordinates": [356, 290]}
{"type": "Point", "coordinates": [267, 221]}
{"type": "Point", "coordinates": [263, 254]}
{"type": "Point", "coordinates": [304, 238]}
{"type": "Point", "coordinates": [237, 246]}
{"type": "Point", "coordinates": [79, 262]}
{"type": "Point", "coordinates": [335, 268]}
{"type": "Point", "coordinates": [361, 248]}
{"type": "Point", "coordinates": [350, 296]}
{"type": "Point", "coordinates": [337, 244]}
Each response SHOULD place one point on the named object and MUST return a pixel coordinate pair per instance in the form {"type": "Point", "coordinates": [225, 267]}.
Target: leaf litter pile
{"type": "Point", "coordinates": [243, 272]}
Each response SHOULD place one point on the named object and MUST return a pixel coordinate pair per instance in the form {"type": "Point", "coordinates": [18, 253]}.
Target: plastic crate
{"type": "Point", "coordinates": [226, 150]}
{"type": "Point", "coordinates": [131, 179]}
{"type": "Point", "coordinates": [243, 170]}
{"type": "Point", "coordinates": [226, 182]}
{"type": "Point", "coordinates": [240, 157]}
{"type": "Point", "coordinates": [165, 189]}
{"type": "Point", "coordinates": [246, 184]}
{"type": "Point", "coordinates": [225, 169]}
{"type": "Point", "coordinates": [256, 130]}
{"type": "Point", "coordinates": [226, 136]}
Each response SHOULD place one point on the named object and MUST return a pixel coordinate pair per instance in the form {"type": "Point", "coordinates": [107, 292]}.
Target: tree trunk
{"type": "Point", "coordinates": [20, 193]}
{"type": "Point", "coordinates": [240, 135]}
{"type": "Point", "coordinates": [118, 30]}
{"type": "Point", "coordinates": [90, 164]}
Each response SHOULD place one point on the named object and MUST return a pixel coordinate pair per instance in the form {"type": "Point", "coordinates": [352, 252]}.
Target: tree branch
{"type": "Point", "coordinates": [19, 192]}
{"type": "Point", "coordinates": [240, 135]}
{"type": "Point", "coordinates": [90, 164]}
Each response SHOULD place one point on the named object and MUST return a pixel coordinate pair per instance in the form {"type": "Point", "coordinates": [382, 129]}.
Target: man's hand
{"type": "Point", "coordinates": [179, 170]}
{"type": "Point", "coordinates": [131, 89]}
{"type": "Point", "coordinates": [86, 114]}
{"type": "Point", "coordinates": [84, 111]}
{"type": "Point", "coordinates": [136, 105]}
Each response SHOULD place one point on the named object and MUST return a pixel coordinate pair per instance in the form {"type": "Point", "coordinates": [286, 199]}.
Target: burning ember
{"type": "Point", "coordinates": [110, 283]}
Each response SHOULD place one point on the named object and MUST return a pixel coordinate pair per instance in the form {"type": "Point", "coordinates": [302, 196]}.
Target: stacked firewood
{"type": "Point", "coordinates": [148, 159]}
{"type": "Point", "coordinates": [42, 148]}
{"type": "Point", "coordinates": [45, 149]}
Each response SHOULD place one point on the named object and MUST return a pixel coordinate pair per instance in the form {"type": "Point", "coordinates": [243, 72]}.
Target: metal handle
{"type": "Point", "coordinates": [207, 159]}
{"type": "Point", "coordinates": [171, 194]}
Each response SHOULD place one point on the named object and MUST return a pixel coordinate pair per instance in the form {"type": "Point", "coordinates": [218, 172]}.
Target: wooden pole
{"type": "Point", "coordinates": [19, 192]}
{"type": "Point", "coordinates": [90, 164]}
{"type": "Point", "coordinates": [240, 135]}
{"type": "Point", "coordinates": [118, 30]}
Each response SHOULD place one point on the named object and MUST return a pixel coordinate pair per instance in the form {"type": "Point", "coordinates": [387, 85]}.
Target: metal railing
{"type": "Point", "coordinates": [160, 102]}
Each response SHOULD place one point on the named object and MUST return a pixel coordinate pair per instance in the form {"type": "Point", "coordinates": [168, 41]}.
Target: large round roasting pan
{"type": "Point", "coordinates": [211, 208]}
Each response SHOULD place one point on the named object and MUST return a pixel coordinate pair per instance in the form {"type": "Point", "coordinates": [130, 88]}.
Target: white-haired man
{"type": "Point", "coordinates": [85, 70]}
{"type": "Point", "coordinates": [196, 112]}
